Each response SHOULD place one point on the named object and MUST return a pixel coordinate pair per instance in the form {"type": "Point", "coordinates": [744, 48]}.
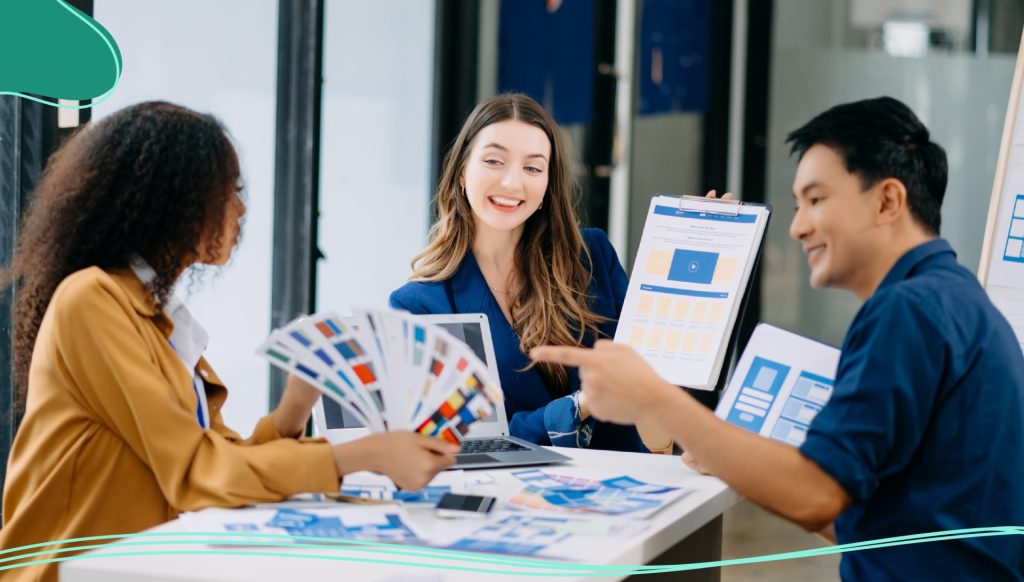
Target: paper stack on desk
{"type": "Point", "coordinates": [298, 525]}
{"type": "Point", "coordinates": [373, 487]}
{"type": "Point", "coordinates": [389, 369]}
{"type": "Point", "coordinates": [622, 495]}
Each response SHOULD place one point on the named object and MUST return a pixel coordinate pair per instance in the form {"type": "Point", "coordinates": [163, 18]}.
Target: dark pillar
{"type": "Point", "coordinates": [456, 44]}
{"type": "Point", "coordinates": [296, 165]}
{"type": "Point", "coordinates": [28, 133]}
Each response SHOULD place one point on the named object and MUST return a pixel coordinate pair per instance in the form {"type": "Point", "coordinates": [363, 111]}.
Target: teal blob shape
{"type": "Point", "coordinates": [51, 50]}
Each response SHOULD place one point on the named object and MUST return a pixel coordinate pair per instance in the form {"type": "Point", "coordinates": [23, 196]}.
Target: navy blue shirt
{"type": "Point", "coordinates": [533, 414]}
{"type": "Point", "coordinates": [925, 429]}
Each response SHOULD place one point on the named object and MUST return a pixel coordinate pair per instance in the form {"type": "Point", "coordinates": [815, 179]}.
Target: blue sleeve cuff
{"type": "Point", "coordinates": [564, 425]}
{"type": "Point", "coordinates": [840, 465]}
{"type": "Point", "coordinates": [529, 426]}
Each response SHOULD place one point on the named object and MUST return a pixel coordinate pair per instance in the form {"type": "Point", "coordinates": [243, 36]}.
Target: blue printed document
{"type": "Point", "coordinates": [780, 383]}
{"type": "Point", "coordinates": [622, 495]}
{"type": "Point", "coordinates": [558, 537]}
{"type": "Point", "coordinates": [686, 289]}
{"type": "Point", "coordinates": [382, 523]}
{"type": "Point", "coordinates": [375, 487]}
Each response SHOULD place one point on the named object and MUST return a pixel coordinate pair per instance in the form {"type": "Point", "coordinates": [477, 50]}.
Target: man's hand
{"type": "Point", "coordinates": [621, 387]}
{"type": "Point", "coordinates": [618, 385]}
{"type": "Point", "coordinates": [692, 463]}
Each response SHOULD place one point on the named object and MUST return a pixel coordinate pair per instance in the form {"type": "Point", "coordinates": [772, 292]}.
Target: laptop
{"type": "Point", "coordinates": [488, 443]}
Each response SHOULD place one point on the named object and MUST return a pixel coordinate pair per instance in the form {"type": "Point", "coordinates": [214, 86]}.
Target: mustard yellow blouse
{"type": "Point", "coordinates": [110, 443]}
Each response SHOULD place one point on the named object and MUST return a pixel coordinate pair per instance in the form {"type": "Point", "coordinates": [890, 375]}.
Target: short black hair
{"type": "Point", "coordinates": [882, 138]}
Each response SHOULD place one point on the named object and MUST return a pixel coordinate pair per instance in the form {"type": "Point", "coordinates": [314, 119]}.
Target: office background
{"type": "Point", "coordinates": [341, 111]}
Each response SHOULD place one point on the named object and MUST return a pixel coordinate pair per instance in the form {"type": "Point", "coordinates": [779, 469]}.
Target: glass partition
{"type": "Point", "coordinates": [375, 185]}
{"type": "Point", "coordinates": [826, 53]}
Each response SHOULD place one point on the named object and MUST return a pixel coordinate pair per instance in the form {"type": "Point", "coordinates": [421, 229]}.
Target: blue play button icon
{"type": "Point", "coordinates": [692, 266]}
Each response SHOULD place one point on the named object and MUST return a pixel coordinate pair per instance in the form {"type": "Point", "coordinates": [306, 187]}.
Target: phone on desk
{"type": "Point", "coordinates": [455, 505]}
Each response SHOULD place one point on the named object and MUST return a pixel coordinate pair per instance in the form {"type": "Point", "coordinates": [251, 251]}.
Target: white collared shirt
{"type": "Point", "coordinates": [188, 340]}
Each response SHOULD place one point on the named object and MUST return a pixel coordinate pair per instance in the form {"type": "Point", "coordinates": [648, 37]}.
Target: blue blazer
{"type": "Point", "coordinates": [533, 414]}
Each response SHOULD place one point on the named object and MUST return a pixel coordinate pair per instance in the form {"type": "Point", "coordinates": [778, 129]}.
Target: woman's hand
{"type": "Point", "coordinates": [411, 460]}
{"type": "Point", "coordinates": [581, 400]}
{"type": "Point", "coordinates": [293, 411]}
{"type": "Point", "coordinates": [714, 195]}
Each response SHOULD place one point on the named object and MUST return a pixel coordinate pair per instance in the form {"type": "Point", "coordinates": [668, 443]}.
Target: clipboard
{"type": "Point", "coordinates": [729, 207]}
{"type": "Point", "coordinates": [690, 286]}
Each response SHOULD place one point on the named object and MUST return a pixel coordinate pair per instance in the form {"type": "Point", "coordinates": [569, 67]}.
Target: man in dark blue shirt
{"type": "Point", "coordinates": [925, 429]}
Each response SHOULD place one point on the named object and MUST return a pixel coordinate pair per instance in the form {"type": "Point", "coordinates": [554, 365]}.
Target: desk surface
{"type": "Point", "coordinates": [710, 499]}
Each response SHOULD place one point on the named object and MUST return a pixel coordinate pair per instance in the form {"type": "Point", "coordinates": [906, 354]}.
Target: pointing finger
{"type": "Point", "coordinates": [567, 356]}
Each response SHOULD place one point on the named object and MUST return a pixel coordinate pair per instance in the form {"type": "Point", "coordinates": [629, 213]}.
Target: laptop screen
{"type": "Point", "coordinates": [469, 332]}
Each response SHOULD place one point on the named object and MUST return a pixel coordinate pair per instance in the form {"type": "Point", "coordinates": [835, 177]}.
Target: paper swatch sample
{"type": "Point", "coordinates": [389, 369]}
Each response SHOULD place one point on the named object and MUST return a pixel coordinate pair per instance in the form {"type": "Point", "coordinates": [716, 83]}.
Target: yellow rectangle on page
{"type": "Point", "coordinates": [725, 270]}
{"type": "Point", "coordinates": [658, 263]}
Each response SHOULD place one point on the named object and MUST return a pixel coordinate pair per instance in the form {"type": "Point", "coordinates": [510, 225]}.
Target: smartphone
{"type": "Point", "coordinates": [455, 505]}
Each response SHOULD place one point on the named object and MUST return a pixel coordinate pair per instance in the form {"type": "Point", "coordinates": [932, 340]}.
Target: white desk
{"type": "Point", "coordinates": [660, 542]}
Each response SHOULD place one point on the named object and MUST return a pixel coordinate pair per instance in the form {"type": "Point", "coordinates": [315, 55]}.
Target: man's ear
{"type": "Point", "coordinates": [892, 200]}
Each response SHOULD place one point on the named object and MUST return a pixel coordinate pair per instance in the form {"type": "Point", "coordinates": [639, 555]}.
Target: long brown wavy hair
{"type": "Point", "coordinates": [152, 180]}
{"type": "Point", "coordinates": [549, 302]}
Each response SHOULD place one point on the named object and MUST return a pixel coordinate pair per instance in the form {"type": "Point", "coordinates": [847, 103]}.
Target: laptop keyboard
{"type": "Point", "coordinates": [495, 445]}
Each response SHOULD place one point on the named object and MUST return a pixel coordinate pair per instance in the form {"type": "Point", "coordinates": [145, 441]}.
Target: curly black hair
{"type": "Point", "coordinates": [153, 180]}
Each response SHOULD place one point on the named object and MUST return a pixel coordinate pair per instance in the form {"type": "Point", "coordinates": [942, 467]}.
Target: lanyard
{"type": "Point", "coordinates": [200, 400]}
{"type": "Point", "coordinates": [199, 390]}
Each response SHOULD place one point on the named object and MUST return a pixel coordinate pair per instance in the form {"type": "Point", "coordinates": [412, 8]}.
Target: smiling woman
{"type": "Point", "coordinates": [506, 176]}
{"type": "Point", "coordinates": [507, 244]}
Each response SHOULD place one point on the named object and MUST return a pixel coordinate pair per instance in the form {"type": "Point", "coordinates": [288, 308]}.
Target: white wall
{"type": "Point", "coordinates": [375, 154]}
{"type": "Point", "coordinates": [220, 58]}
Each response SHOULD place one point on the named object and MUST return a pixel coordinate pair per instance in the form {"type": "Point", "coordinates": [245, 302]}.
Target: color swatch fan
{"type": "Point", "coordinates": [389, 369]}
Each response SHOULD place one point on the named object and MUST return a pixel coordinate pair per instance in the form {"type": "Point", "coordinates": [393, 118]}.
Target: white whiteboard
{"type": "Point", "coordinates": [1001, 268]}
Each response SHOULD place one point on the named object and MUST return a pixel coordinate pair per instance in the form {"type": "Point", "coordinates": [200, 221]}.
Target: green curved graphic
{"type": "Point", "coordinates": [399, 555]}
{"type": "Point", "coordinates": [52, 51]}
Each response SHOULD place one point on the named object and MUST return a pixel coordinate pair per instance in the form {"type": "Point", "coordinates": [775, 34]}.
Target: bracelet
{"type": "Point", "coordinates": [582, 430]}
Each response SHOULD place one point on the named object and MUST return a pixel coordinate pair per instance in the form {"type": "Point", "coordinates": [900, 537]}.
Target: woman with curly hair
{"type": "Point", "coordinates": [507, 243]}
{"type": "Point", "coordinates": [123, 427]}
